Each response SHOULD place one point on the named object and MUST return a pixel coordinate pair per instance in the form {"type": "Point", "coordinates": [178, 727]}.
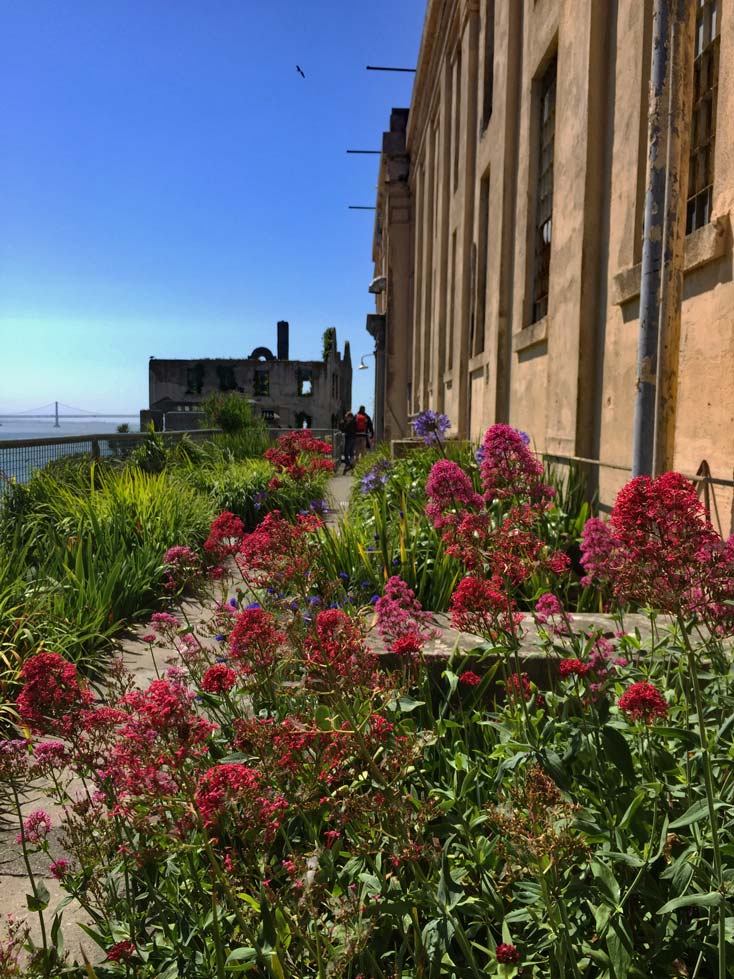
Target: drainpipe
{"type": "Point", "coordinates": [652, 246]}
{"type": "Point", "coordinates": [682, 40]}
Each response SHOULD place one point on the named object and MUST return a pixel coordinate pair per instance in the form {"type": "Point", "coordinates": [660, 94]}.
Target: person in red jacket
{"type": "Point", "coordinates": [365, 433]}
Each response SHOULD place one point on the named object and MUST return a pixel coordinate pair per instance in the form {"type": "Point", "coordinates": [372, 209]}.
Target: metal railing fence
{"type": "Point", "coordinates": [20, 458]}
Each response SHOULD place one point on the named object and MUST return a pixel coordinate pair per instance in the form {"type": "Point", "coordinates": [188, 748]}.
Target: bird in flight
{"type": "Point", "coordinates": [300, 71]}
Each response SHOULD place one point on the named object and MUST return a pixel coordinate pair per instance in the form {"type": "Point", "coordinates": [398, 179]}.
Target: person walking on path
{"type": "Point", "coordinates": [349, 427]}
{"type": "Point", "coordinates": [365, 432]}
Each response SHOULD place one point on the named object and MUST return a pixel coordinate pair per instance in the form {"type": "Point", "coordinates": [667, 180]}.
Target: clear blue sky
{"type": "Point", "coordinates": [171, 186]}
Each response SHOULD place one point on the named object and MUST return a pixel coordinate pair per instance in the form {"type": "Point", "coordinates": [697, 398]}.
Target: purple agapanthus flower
{"type": "Point", "coordinates": [377, 476]}
{"type": "Point", "coordinates": [431, 426]}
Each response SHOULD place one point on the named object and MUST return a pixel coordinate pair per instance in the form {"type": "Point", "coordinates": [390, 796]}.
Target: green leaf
{"type": "Point", "coordinates": [449, 892]}
{"type": "Point", "coordinates": [407, 704]}
{"type": "Point", "coordinates": [708, 900]}
{"type": "Point", "coordinates": [607, 880]}
{"type": "Point", "coordinates": [698, 811]}
{"type": "Point", "coordinates": [618, 751]}
{"type": "Point", "coordinates": [241, 955]}
{"type": "Point", "coordinates": [39, 900]}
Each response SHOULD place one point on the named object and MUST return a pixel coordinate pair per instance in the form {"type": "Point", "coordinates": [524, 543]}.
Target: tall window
{"type": "Point", "coordinates": [457, 115]}
{"type": "Point", "coordinates": [482, 257]}
{"type": "Point", "coordinates": [544, 192]}
{"type": "Point", "coordinates": [703, 122]}
{"type": "Point", "coordinates": [488, 62]}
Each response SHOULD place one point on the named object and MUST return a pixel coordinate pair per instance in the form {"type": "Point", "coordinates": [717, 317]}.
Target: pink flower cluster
{"type": "Point", "coordinates": [401, 618]}
{"type": "Point", "coordinates": [299, 453]}
{"type": "Point", "coordinates": [36, 827]}
{"type": "Point", "coordinates": [451, 493]}
{"type": "Point", "coordinates": [52, 696]}
{"type": "Point", "coordinates": [659, 549]}
{"type": "Point", "coordinates": [509, 469]}
{"type": "Point", "coordinates": [643, 702]}
{"type": "Point", "coordinates": [483, 608]}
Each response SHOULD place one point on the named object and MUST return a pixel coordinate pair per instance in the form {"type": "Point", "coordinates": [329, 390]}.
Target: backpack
{"type": "Point", "coordinates": [361, 424]}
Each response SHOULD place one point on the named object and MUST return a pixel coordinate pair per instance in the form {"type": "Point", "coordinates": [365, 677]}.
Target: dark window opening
{"type": "Point", "coordinates": [227, 380]}
{"type": "Point", "coordinates": [703, 119]}
{"type": "Point", "coordinates": [544, 192]}
{"type": "Point", "coordinates": [262, 384]}
{"type": "Point", "coordinates": [483, 257]}
{"type": "Point", "coordinates": [488, 63]}
{"type": "Point", "coordinates": [303, 420]}
{"type": "Point", "coordinates": [195, 379]}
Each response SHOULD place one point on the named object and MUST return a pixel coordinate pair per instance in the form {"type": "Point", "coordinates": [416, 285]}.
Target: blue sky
{"type": "Point", "coordinates": [172, 187]}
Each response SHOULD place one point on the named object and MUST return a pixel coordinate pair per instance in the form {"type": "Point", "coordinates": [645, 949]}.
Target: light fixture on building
{"type": "Point", "coordinates": [378, 285]}
{"type": "Point", "coordinates": [362, 365]}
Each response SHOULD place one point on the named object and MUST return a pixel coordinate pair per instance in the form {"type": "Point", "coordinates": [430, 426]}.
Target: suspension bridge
{"type": "Point", "coordinates": [58, 411]}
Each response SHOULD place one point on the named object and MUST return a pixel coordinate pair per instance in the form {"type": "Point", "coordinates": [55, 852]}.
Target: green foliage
{"type": "Point", "coordinates": [82, 557]}
{"type": "Point", "coordinates": [232, 413]}
{"type": "Point", "coordinates": [243, 488]}
{"type": "Point", "coordinates": [328, 341]}
{"type": "Point", "coordinates": [387, 531]}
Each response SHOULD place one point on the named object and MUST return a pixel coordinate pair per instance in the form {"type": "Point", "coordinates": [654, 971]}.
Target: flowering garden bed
{"type": "Point", "coordinates": [279, 803]}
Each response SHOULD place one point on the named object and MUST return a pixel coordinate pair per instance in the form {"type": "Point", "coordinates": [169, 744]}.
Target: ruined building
{"type": "Point", "coordinates": [286, 393]}
{"type": "Point", "coordinates": [508, 232]}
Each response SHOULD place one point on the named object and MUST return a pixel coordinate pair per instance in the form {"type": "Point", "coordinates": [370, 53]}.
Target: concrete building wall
{"type": "Point", "coordinates": [481, 350]}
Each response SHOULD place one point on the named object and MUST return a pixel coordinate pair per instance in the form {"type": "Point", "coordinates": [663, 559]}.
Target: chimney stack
{"type": "Point", "coordinates": [282, 340]}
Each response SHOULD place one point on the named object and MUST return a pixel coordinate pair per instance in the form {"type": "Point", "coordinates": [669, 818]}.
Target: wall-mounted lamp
{"type": "Point", "coordinates": [362, 365]}
{"type": "Point", "coordinates": [378, 285]}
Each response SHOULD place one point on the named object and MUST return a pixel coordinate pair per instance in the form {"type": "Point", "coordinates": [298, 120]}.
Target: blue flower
{"type": "Point", "coordinates": [377, 476]}
{"type": "Point", "coordinates": [431, 426]}
{"type": "Point", "coordinates": [313, 599]}
{"type": "Point", "coordinates": [220, 638]}
{"type": "Point", "coordinates": [396, 560]}
{"type": "Point", "coordinates": [233, 602]}
{"type": "Point", "coordinates": [254, 605]}
{"type": "Point", "coordinates": [344, 576]}
{"type": "Point", "coordinates": [375, 598]}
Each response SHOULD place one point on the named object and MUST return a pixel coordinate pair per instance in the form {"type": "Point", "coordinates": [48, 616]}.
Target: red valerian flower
{"type": "Point", "coordinates": [51, 696]}
{"type": "Point", "coordinates": [219, 678]}
{"type": "Point", "coordinates": [339, 648]}
{"type": "Point", "coordinates": [400, 613]}
{"type": "Point", "coordinates": [225, 536]}
{"type": "Point", "coordinates": [450, 491]}
{"type": "Point", "coordinates": [519, 685]}
{"type": "Point", "coordinates": [573, 667]}
{"type": "Point", "coordinates": [660, 549]}
{"type": "Point", "coordinates": [255, 640]}
{"type": "Point", "coordinates": [237, 790]}
{"type": "Point", "coordinates": [507, 954]}
{"type": "Point", "coordinates": [509, 468]}
{"type": "Point", "coordinates": [483, 608]}
{"type": "Point", "coordinates": [643, 702]}
{"type": "Point", "coordinates": [408, 645]}
{"type": "Point", "coordinates": [36, 827]}
{"type": "Point", "coordinates": [122, 951]}
{"type": "Point", "coordinates": [469, 679]}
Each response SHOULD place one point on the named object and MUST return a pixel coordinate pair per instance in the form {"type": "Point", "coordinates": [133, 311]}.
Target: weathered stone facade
{"type": "Point", "coordinates": [287, 393]}
{"type": "Point", "coordinates": [523, 177]}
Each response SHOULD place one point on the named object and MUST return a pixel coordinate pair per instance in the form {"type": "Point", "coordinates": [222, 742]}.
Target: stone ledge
{"type": "Point", "coordinates": [702, 246]}
{"type": "Point", "coordinates": [529, 336]}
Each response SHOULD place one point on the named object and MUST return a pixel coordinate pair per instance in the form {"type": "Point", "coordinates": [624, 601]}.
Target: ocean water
{"type": "Point", "coordinates": [43, 428]}
{"type": "Point", "coordinates": [18, 462]}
